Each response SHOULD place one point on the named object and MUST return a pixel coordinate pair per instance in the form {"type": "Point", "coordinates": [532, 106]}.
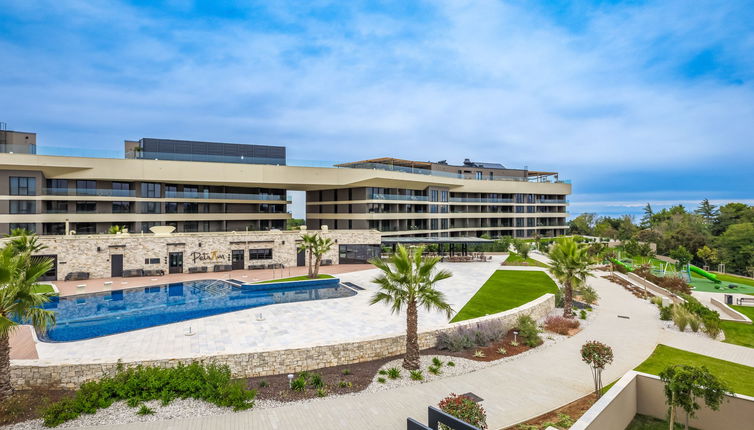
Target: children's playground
{"type": "Point", "coordinates": [698, 278]}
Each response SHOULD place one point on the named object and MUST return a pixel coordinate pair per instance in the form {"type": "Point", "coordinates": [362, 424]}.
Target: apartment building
{"type": "Point", "coordinates": [213, 187]}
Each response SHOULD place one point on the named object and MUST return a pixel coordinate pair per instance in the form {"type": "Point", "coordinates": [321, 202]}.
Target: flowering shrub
{"type": "Point", "coordinates": [561, 325]}
{"type": "Point", "coordinates": [464, 409]}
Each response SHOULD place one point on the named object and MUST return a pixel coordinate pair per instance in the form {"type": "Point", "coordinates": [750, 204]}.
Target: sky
{"type": "Point", "coordinates": [635, 101]}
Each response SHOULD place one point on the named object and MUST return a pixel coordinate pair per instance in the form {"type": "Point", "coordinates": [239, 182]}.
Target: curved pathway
{"type": "Point", "coordinates": [513, 391]}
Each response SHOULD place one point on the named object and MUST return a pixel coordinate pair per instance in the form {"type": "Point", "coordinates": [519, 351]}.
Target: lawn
{"type": "Point", "coordinates": [506, 289]}
{"type": "Point", "coordinates": [704, 284]}
{"type": "Point", "coordinates": [516, 260]}
{"type": "Point", "coordinates": [740, 378]}
{"type": "Point", "coordinates": [295, 278]}
{"type": "Point", "coordinates": [739, 333]}
{"type": "Point", "coordinates": [42, 288]}
{"type": "Point", "coordinates": [643, 422]}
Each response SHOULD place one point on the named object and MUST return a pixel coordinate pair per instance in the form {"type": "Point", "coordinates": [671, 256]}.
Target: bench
{"type": "Point", "coordinates": [199, 269]}
{"type": "Point", "coordinates": [275, 266]}
{"type": "Point", "coordinates": [77, 276]}
{"type": "Point", "coordinates": [256, 266]}
{"type": "Point", "coordinates": [222, 268]}
{"type": "Point", "coordinates": [742, 300]}
{"type": "Point", "coordinates": [154, 272]}
{"type": "Point", "coordinates": [133, 273]}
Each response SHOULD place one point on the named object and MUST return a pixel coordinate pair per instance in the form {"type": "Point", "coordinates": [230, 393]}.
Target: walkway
{"type": "Point", "coordinates": [513, 391]}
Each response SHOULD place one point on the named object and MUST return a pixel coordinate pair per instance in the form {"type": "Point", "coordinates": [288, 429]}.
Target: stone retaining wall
{"type": "Point", "coordinates": [264, 363]}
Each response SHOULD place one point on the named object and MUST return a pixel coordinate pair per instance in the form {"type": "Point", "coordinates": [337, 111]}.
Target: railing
{"type": "Point", "coordinates": [213, 158]}
{"type": "Point", "coordinates": [553, 201]}
{"type": "Point", "coordinates": [11, 148]}
{"type": "Point", "coordinates": [478, 200]}
{"type": "Point", "coordinates": [378, 196]}
{"type": "Point", "coordinates": [102, 192]}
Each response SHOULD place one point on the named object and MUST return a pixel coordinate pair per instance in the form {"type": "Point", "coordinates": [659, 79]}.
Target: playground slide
{"type": "Point", "coordinates": [704, 273]}
{"type": "Point", "coordinates": [622, 264]}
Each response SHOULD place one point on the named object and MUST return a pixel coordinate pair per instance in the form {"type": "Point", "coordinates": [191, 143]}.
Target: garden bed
{"type": "Point", "coordinates": [561, 417]}
{"type": "Point", "coordinates": [633, 289]}
{"type": "Point", "coordinates": [27, 404]}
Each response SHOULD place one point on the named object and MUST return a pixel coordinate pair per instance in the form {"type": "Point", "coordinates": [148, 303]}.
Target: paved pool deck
{"type": "Point", "coordinates": [288, 325]}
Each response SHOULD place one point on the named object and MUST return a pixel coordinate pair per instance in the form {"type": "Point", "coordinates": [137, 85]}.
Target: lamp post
{"type": "Point", "coordinates": [515, 336]}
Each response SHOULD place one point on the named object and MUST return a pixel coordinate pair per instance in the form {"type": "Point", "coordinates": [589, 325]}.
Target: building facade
{"type": "Point", "coordinates": [220, 187]}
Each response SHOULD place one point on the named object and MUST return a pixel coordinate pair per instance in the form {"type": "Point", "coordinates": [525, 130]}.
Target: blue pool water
{"type": "Point", "coordinates": [92, 315]}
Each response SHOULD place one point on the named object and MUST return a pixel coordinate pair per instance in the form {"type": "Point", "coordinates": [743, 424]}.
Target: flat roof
{"type": "Point", "coordinates": [424, 240]}
{"type": "Point", "coordinates": [391, 161]}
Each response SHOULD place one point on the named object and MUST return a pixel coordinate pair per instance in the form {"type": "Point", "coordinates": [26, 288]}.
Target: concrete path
{"type": "Point", "coordinates": [513, 391]}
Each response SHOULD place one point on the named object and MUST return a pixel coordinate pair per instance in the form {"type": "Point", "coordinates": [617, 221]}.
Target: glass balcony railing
{"type": "Point", "coordinates": [378, 196]}
{"type": "Point", "coordinates": [478, 200]}
{"type": "Point", "coordinates": [221, 196]}
{"type": "Point", "coordinates": [101, 192]}
{"type": "Point", "coordinates": [553, 201]}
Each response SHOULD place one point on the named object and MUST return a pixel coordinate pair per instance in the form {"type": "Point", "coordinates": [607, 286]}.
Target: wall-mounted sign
{"type": "Point", "coordinates": [209, 257]}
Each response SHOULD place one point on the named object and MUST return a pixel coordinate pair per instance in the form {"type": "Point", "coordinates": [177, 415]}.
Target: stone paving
{"type": "Point", "coordinates": [290, 325]}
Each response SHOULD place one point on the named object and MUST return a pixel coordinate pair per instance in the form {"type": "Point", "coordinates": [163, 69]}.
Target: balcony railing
{"type": "Point", "coordinates": [478, 200]}
{"type": "Point", "coordinates": [101, 192]}
{"type": "Point", "coordinates": [553, 201]}
{"type": "Point", "coordinates": [378, 196]}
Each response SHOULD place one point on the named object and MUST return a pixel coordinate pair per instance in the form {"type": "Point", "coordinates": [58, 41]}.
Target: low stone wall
{"type": "Point", "coordinates": [264, 363]}
{"type": "Point", "coordinates": [654, 288]}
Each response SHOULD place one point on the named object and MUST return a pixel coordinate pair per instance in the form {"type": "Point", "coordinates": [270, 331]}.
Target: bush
{"type": "Point", "coordinates": [462, 338]}
{"type": "Point", "coordinates": [666, 312]}
{"type": "Point", "coordinates": [582, 314]}
{"type": "Point", "coordinates": [145, 410]}
{"type": "Point", "coordinates": [561, 325]}
{"type": "Point", "coordinates": [211, 383]}
{"type": "Point", "coordinates": [298, 383]}
{"type": "Point", "coordinates": [393, 373]}
{"type": "Point", "coordinates": [528, 330]}
{"type": "Point", "coordinates": [464, 409]}
{"type": "Point", "coordinates": [694, 323]}
{"type": "Point", "coordinates": [417, 375]}
{"type": "Point", "coordinates": [589, 295]}
{"type": "Point", "coordinates": [708, 317]}
{"type": "Point", "coordinates": [712, 326]}
{"type": "Point", "coordinates": [559, 299]}
{"type": "Point", "coordinates": [437, 362]}
{"type": "Point", "coordinates": [681, 317]}
{"type": "Point", "coordinates": [656, 300]}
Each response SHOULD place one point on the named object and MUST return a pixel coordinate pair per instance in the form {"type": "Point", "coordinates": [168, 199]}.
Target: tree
{"type": "Point", "coordinates": [522, 248]}
{"type": "Point", "coordinates": [407, 281]}
{"type": "Point", "coordinates": [116, 229]}
{"type": "Point", "coordinates": [737, 247]}
{"type": "Point", "coordinates": [308, 241]}
{"type": "Point", "coordinates": [322, 245]}
{"type": "Point", "coordinates": [19, 302]}
{"type": "Point", "coordinates": [682, 255]}
{"type": "Point", "coordinates": [583, 224]}
{"type": "Point", "coordinates": [27, 242]}
{"type": "Point", "coordinates": [730, 214]}
{"type": "Point", "coordinates": [503, 243]}
{"type": "Point", "coordinates": [597, 355]}
{"type": "Point", "coordinates": [707, 211]}
{"type": "Point", "coordinates": [684, 384]}
{"type": "Point", "coordinates": [570, 266]}
{"type": "Point", "coordinates": [646, 220]}
{"type": "Point", "coordinates": [707, 254]}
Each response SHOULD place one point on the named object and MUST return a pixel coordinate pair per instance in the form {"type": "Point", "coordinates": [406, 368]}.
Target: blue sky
{"type": "Point", "coordinates": [634, 101]}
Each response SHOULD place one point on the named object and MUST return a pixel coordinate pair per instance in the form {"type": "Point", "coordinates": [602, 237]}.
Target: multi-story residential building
{"type": "Point", "coordinates": [207, 187]}
{"type": "Point", "coordinates": [472, 199]}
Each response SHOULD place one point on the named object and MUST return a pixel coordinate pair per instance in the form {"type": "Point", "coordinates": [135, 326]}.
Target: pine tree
{"type": "Point", "coordinates": [646, 220]}
{"type": "Point", "coordinates": [707, 210]}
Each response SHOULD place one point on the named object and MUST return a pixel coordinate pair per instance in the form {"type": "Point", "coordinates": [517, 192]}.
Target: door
{"type": "Point", "coordinates": [175, 262]}
{"type": "Point", "coordinates": [237, 259]}
{"type": "Point", "coordinates": [301, 258]}
{"type": "Point", "coordinates": [116, 265]}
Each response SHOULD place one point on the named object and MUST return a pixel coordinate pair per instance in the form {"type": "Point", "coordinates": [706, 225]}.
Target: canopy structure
{"type": "Point", "coordinates": [450, 245]}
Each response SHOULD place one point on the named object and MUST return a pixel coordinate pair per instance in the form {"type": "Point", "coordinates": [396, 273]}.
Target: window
{"type": "Point", "coordinates": [121, 189]}
{"type": "Point", "coordinates": [150, 189]}
{"type": "Point", "coordinates": [443, 196]}
{"type": "Point", "coordinates": [519, 222]}
{"type": "Point", "coordinates": [260, 254]}
{"type": "Point", "coordinates": [23, 206]}
{"type": "Point", "coordinates": [530, 209]}
{"type": "Point", "coordinates": [433, 223]}
{"type": "Point", "coordinates": [145, 226]}
{"type": "Point", "coordinates": [433, 195]}
{"type": "Point", "coordinates": [171, 191]}
{"type": "Point", "coordinates": [86, 207]}
{"type": "Point", "coordinates": [433, 209]}
{"type": "Point", "coordinates": [354, 254]}
{"type": "Point", "coordinates": [57, 187]}
{"type": "Point", "coordinates": [54, 228]}
{"type": "Point", "coordinates": [190, 226]}
{"type": "Point", "coordinates": [191, 208]}
{"type": "Point", "coordinates": [492, 176]}
{"type": "Point", "coordinates": [56, 207]}
{"type": "Point", "coordinates": [86, 188]}
{"type": "Point", "coordinates": [151, 261]}
{"type": "Point", "coordinates": [121, 207]}
{"type": "Point", "coordinates": [189, 192]}
{"type": "Point", "coordinates": [171, 207]}
{"type": "Point", "coordinates": [519, 209]}
{"type": "Point", "coordinates": [150, 207]}
{"type": "Point", "coordinates": [443, 224]}
{"type": "Point", "coordinates": [479, 175]}
{"type": "Point", "coordinates": [30, 227]}
{"type": "Point", "coordinates": [350, 224]}
{"type": "Point", "coordinates": [23, 186]}
{"type": "Point", "coordinates": [85, 228]}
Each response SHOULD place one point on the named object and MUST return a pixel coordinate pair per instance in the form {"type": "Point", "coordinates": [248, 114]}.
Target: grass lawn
{"type": "Point", "coordinates": [739, 333]}
{"type": "Point", "coordinates": [43, 288]}
{"type": "Point", "coordinates": [727, 277]}
{"type": "Point", "coordinates": [704, 284]}
{"type": "Point", "coordinates": [643, 422]}
{"type": "Point", "coordinates": [295, 278]}
{"type": "Point", "coordinates": [516, 260]}
{"type": "Point", "coordinates": [506, 289]}
{"type": "Point", "coordinates": [739, 378]}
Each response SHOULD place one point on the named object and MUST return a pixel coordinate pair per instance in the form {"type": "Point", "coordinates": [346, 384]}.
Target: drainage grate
{"type": "Point", "coordinates": [474, 398]}
{"type": "Point", "coordinates": [354, 286]}
{"type": "Point", "coordinates": [624, 317]}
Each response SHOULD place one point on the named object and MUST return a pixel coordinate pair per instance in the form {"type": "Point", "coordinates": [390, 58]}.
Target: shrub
{"type": "Point", "coordinates": [561, 325]}
{"type": "Point", "coordinates": [381, 380]}
{"type": "Point", "coordinates": [712, 326]}
{"type": "Point", "coordinates": [464, 409]}
{"type": "Point", "coordinates": [666, 312]}
{"type": "Point", "coordinates": [710, 318]}
{"type": "Point", "coordinates": [298, 383]}
{"type": "Point", "coordinates": [211, 383]}
{"type": "Point", "coordinates": [346, 372]}
{"type": "Point", "coordinates": [479, 353]}
{"type": "Point", "coordinates": [145, 410]}
{"type": "Point", "coordinates": [502, 351]}
{"type": "Point", "coordinates": [528, 330]}
{"type": "Point", "coordinates": [382, 372]}
{"type": "Point", "coordinates": [656, 300]}
{"type": "Point", "coordinates": [437, 362]}
{"type": "Point", "coordinates": [316, 381]}
{"type": "Point", "coordinates": [462, 338]}
{"type": "Point", "coordinates": [681, 317]}
{"type": "Point", "coordinates": [694, 323]}
{"type": "Point", "coordinates": [434, 370]}
{"type": "Point", "coordinates": [345, 384]}
{"type": "Point", "coordinates": [417, 375]}
{"type": "Point", "coordinates": [393, 373]}
{"type": "Point", "coordinates": [589, 294]}
{"type": "Point", "coordinates": [263, 384]}
{"type": "Point", "coordinates": [582, 314]}
{"type": "Point", "coordinates": [321, 392]}
{"type": "Point", "coordinates": [559, 299]}
{"type": "Point", "coordinates": [451, 364]}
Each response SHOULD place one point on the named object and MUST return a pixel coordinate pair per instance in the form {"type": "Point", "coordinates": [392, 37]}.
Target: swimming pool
{"type": "Point", "coordinates": [87, 316]}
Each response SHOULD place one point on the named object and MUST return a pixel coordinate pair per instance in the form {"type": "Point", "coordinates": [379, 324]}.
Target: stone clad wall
{"type": "Point", "coordinates": [91, 253]}
{"type": "Point", "coordinates": [264, 363]}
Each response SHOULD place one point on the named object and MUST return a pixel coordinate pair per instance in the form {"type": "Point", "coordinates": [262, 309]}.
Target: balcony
{"type": "Point", "coordinates": [376, 196]}
{"type": "Point", "coordinates": [553, 201]}
{"type": "Point", "coordinates": [100, 192]}
{"type": "Point", "coordinates": [478, 200]}
{"type": "Point", "coordinates": [205, 195]}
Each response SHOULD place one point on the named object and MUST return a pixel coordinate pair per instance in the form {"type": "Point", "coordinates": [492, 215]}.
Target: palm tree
{"type": "Point", "coordinates": [25, 242]}
{"type": "Point", "coordinates": [322, 245]}
{"type": "Point", "coordinates": [408, 281]}
{"type": "Point", "coordinates": [115, 229]}
{"type": "Point", "coordinates": [522, 249]}
{"type": "Point", "coordinates": [570, 266]}
{"type": "Point", "coordinates": [19, 303]}
{"type": "Point", "coordinates": [308, 241]}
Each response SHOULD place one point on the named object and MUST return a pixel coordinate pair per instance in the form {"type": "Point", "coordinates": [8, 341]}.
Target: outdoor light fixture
{"type": "Point", "coordinates": [515, 334]}
{"type": "Point", "coordinates": [290, 380]}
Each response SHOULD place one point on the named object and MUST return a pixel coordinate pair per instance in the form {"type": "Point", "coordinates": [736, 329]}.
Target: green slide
{"type": "Point", "coordinates": [620, 263]}
{"type": "Point", "coordinates": [704, 273]}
